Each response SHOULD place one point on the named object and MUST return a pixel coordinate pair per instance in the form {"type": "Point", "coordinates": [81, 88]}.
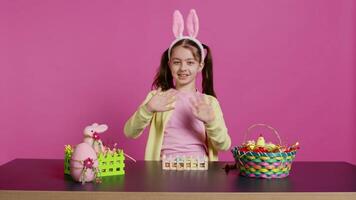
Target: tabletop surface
{"type": "Point", "coordinates": [148, 176]}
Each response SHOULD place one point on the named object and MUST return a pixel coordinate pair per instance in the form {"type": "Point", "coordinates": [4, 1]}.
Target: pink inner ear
{"type": "Point", "coordinates": [101, 129]}
{"type": "Point", "coordinates": [193, 24]}
{"type": "Point", "coordinates": [178, 24]}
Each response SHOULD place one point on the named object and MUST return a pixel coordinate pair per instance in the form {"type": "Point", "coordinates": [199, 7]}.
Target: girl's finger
{"type": "Point", "coordinates": [193, 102]}
{"type": "Point", "coordinates": [172, 97]}
{"type": "Point", "coordinates": [200, 99]}
{"type": "Point", "coordinates": [206, 100]}
{"type": "Point", "coordinates": [171, 90]}
{"type": "Point", "coordinates": [170, 106]}
{"type": "Point", "coordinates": [159, 91]}
{"type": "Point", "coordinates": [171, 100]}
{"type": "Point", "coordinates": [171, 93]}
{"type": "Point", "coordinates": [168, 92]}
{"type": "Point", "coordinates": [194, 110]}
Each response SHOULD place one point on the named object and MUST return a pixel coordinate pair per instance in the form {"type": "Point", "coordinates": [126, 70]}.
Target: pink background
{"type": "Point", "coordinates": [66, 64]}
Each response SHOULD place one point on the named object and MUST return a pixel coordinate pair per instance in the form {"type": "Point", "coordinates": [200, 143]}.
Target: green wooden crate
{"type": "Point", "coordinates": [111, 164]}
{"type": "Point", "coordinates": [68, 151]}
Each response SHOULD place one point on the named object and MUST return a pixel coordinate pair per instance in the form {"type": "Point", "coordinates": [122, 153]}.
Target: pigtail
{"type": "Point", "coordinates": [163, 78]}
{"type": "Point", "coordinates": [207, 73]}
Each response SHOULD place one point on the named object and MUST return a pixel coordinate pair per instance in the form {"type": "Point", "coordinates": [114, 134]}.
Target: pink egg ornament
{"type": "Point", "coordinates": [84, 163]}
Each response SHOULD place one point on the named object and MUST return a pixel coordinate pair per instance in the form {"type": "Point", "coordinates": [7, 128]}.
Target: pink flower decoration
{"type": "Point", "coordinates": [88, 163]}
{"type": "Point", "coordinates": [96, 136]}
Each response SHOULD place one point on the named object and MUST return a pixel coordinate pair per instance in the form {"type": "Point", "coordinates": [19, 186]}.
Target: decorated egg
{"type": "Point", "coordinates": [84, 163]}
{"type": "Point", "coordinates": [250, 145]}
{"type": "Point", "coordinates": [270, 147]}
{"type": "Point", "coordinates": [260, 141]}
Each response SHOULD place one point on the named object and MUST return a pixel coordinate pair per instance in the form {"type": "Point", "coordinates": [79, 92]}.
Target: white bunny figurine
{"type": "Point", "coordinates": [91, 136]}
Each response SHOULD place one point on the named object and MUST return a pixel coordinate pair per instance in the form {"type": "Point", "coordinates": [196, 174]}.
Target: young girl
{"type": "Point", "coordinates": [182, 120]}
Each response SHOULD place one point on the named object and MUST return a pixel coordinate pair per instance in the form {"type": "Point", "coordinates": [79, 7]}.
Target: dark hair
{"type": "Point", "coordinates": [164, 79]}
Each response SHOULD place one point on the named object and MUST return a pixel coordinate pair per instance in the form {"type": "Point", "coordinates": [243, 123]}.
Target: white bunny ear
{"type": "Point", "coordinates": [101, 128]}
{"type": "Point", "coordinates": [193, 24]}
{"type": "Point", "coordinates": [178, 24]}
{"type": "Point", "coordinates": [95, 124]}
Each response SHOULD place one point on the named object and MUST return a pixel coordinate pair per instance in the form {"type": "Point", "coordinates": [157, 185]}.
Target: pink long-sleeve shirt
{"type": "Point", "coordinates": [184, 134]}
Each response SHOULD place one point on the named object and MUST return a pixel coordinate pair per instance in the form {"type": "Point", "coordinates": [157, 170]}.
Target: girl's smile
{"type": "Point", "coordinates": [183, 76]}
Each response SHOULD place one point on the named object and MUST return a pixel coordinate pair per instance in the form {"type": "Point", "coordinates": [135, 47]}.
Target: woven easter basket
{"type": "Point", "coordinates": [263, 164]}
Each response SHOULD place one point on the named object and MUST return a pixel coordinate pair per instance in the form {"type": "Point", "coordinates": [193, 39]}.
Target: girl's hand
{"type": "Point", "coordinates": [162, 101]}
{"type": "Point", "coordinates": [202, 109]}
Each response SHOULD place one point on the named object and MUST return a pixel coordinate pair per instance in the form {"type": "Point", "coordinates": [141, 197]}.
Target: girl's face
{"type": "Point", "coordinates": [184, 67]}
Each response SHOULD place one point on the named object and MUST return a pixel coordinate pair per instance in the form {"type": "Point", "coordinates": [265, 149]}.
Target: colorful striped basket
{"type": "Point", "coordinates": [263, 164]}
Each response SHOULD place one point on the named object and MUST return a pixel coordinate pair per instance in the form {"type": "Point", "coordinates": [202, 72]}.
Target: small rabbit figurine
{"type": "Point", "coordinates": [91, 136]}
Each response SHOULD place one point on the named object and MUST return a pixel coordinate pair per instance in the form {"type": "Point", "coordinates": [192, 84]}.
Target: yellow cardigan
{"type": "Point", "coordinates": [218, 138]}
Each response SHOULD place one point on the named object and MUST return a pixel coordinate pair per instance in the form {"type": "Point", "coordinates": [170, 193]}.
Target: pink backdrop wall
{"type": "Point", "coordinates": [66, 64]}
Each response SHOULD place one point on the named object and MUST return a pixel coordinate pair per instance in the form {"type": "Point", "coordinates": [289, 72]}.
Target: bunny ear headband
{"type": "Point", "coordinates": [192, 26]}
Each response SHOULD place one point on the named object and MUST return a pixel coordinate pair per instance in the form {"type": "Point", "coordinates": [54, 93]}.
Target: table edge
{"type": "Point", "coordinates": [109, 195]}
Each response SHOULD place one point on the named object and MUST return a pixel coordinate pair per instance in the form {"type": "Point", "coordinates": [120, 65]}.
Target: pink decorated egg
{"type": "Point", "coordinates": [83, 163]}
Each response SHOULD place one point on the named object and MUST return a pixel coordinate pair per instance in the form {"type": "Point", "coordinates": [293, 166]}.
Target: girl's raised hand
{"type": "Point", "coordinates": [202, 109]}
{"type": "Point", "coordinates": [162, 101]}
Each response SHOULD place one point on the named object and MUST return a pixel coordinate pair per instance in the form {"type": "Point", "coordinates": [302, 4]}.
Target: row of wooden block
{"type": "Point", "coordinates": [184, 163]}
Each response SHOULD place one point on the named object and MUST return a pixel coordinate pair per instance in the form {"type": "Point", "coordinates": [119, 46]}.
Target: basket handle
{"type": "Point", "coordinates": [263, 125]}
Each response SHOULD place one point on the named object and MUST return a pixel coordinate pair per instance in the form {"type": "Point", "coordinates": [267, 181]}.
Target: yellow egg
{"type": "Point", "coordinates": [251, 147]}
{"type": "Point", "coordinates": [260, 141]}
{"type": "Point", "coordinates": [270, 146]}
